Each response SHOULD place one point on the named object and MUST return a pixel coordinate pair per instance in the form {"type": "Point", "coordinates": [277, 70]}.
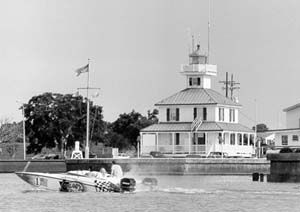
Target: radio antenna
{"type": "Point", "coordinates": [208, 32]}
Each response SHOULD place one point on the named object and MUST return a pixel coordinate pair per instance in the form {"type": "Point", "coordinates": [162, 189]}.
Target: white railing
{"type": "Point", "coordinates": [198, 149]}
{"type": "Point", "coordinates": [205, 68]}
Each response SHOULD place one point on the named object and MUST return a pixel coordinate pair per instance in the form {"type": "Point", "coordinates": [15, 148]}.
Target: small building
{"type": "Point", "coordinates": [198, 120]}
{"type": "Point", "coordinates": [290, 136]}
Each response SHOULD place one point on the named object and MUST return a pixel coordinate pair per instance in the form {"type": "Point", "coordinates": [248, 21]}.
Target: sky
{"type": "Point", "coordinates": [136, 48]}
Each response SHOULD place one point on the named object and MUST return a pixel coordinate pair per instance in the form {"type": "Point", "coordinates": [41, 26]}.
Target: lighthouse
{"type": "Point", "coordinates": [198, 73]}
{"type": "Point", "coordinates": [198, 120]}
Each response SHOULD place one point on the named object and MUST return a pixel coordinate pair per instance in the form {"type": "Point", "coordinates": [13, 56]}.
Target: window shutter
{"type": "Point", "coordinates": [177, 114]}
{"type": "Point", "coordinates": [195, 112]}
{"type": "Point", "coordinates": [191, 81]}
{"type": "Point", "coordinates": [177, 140]}
{"type": "Point", "coordinates": [168, 114]}
{"type": "Point", "coordinates": [204, 113]}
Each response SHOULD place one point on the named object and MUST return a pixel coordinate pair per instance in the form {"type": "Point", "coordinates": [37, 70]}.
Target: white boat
{"type": "Point", "coordinates": [78, 181]}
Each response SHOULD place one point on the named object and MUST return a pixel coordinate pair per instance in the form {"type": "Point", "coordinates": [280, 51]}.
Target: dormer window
{"type": "Point", "coordinates": [194, 81]}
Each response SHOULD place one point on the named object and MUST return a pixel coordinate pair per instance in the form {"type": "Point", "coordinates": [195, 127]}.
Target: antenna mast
{"type": "Point", "coordinates": [208, 32]}
{"type": "Point", "coordinates": [229, 85]}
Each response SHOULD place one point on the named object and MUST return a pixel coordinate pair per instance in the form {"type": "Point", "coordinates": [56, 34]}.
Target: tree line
{"type": "Point", "coordinates": [54, 120]}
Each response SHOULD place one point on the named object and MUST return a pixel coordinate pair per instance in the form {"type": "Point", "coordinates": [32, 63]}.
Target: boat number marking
{"type": "Point", "coordinates": [40, 181]}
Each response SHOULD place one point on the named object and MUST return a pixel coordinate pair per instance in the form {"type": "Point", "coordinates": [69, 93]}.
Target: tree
{"type": "Point", "coordinates": [10, 132]}
{"type": "Point", "coordinates": [57, 120]}
{"type": "Point", "coordinates": [261, 128]}
{"type": "Point", "coordinates": [124, 131]}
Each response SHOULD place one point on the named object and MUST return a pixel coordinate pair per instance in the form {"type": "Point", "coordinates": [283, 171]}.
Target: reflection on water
{"type": "Point", "coordinates": [173, 193]}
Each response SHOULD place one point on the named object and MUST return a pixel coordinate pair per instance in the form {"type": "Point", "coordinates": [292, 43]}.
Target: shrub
{"type": "Point", "coordinates": [286, 150]}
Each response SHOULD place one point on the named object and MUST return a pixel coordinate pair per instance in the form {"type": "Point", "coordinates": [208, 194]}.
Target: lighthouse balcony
{"type": "Point", "coordinates": [199, 68]}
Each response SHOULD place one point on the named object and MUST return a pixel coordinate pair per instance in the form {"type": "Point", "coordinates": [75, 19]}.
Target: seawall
{"type": "Point", "coordinates": [145, 166]}
{"type": "Point", "coordinates": [177, 166]}
{"type": "Point", "coordinates": [51, 166]}
{"type": "Point", "coordinates": [285, 167]}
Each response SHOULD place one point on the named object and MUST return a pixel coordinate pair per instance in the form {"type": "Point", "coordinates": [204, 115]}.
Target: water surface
{"type": "Point", "coordinates": [174, 193]}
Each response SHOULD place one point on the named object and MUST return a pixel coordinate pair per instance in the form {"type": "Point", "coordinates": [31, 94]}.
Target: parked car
{"type": "Point", "coordinates": [52, 156]}
{"type": "Point", "coordinates": [195, 156]}
{"type": "Point", "coordinates": [38, 157]}
{"type": "Point", "coordinates": [157, 154]}
{"type": "Point", "coordinates": [123, 155]}
{"type": "Point", "coordinates": [45, 156]}
{"type": "Point", "coordinates": [217, 155]}
{"type": "Point", "coordinates": [286, 150]}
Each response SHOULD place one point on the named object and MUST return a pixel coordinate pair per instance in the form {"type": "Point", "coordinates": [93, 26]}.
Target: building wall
{"type": "Point", "coordinates": [187, 113]}
{"type": "Point", "coordinates": [291, 142]}
{"type": "Point", "coordinates": [293, 118]}
{"type": "Point", "coordinates": [226, 114]}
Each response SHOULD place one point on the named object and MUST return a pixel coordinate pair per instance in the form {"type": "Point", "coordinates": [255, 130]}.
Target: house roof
{"type": "Point", "coordinates": [283, 130]}
{"type": "Point", "coordinates": [291, 107]}
{"type": "Point", "coordinates": [204, 127]}
{"type": "Point", "coordinates": [197, 96]}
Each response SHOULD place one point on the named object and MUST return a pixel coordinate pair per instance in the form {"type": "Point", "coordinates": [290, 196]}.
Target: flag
{"type": "Point", "coordinates": [82, 70]}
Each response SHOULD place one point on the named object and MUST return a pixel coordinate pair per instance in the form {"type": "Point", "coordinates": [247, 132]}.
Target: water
{"type": "Point", "coordinates": [174, 193]}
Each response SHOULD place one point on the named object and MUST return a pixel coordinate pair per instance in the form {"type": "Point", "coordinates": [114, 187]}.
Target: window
{"type": "Point", "coordinates": [221, 114]}
{"type": "Point", "coordinates": [168, 114]}
{"type": "Point", "coordinates": [232, 139]}
{"type": "Point", "coordinates": [195, 113]}
{"type": "Point", "coordinates": [204, 114]}
{"type": "Point", "coordinates": [240, 140]}
{"type": "Point", "coordinates": [251, 139]}
{"type": "Point", "coordinates": [220, 138]}
{"type": "Point", "coordinates": [198, 81]}
{"type": "Point", "coordinates": [177, 139]}
{"type": "Point", "coordinates": [295, 138]}
{"type": "Point", "coordinates": [194, 81]}
{"type": "Point", "coordinates": [245, 139]}
{"type": "Point", "coordinates": [172, 114]}
{"type": "Point", "coordinates": [231, 115]}
{"type": "Point", "coordinates": [201, 139]}
{"type": "Point", "coordinates": [284, 140]}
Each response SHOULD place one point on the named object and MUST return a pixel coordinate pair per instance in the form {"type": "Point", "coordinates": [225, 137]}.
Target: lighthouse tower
{"type": "Point", "coordinates": [198, 73]}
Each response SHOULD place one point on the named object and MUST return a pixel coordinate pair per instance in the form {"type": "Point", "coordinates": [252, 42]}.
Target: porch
{"type": "Point", "coordinates": [235, 144]}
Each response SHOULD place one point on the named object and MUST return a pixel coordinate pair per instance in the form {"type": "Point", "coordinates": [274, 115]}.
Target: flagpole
{"type": "Point", "coordinates": [87, 148]}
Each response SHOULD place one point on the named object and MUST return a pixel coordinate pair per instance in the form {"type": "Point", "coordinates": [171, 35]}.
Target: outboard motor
{"type": "Point", "coordinates": [150, 181]}
{"type": "Point", "coordinates": [127, 184]}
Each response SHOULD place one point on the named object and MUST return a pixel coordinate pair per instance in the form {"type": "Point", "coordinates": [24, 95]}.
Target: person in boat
{"type": "Point", "coordinates": [103, 172]}
{"type": "Point", "coordinates": [116, 170]}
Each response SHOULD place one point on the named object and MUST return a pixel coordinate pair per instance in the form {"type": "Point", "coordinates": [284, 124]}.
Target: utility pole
{"type": "Point", "coordinates": [233, 86]}
{"type": "Point", "coordinates": [87, 146]}
{"type": "Point", "coordinates": [229, 85]}
{"type": "Point", "coordinates": [24, 132]}
{"type": "Point", "coordinates": [226, 84]}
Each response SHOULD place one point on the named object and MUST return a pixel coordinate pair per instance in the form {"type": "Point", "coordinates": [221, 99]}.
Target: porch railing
{"type": "Point", "coordinates": [177, 149]}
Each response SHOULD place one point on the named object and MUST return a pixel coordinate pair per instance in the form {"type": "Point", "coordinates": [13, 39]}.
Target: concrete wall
{"type": "Point", "coordinates": [285, 167]}
{"type": "Point", "coordinates": [177, 166]}
{"type": "Point", "coordinates": [10, 166]}
{"type": "Point", "coordinates": [146, 166]}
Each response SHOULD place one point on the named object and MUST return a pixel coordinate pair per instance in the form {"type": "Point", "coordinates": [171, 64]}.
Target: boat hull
{"type": "Point", "coordinates": [69, 183]}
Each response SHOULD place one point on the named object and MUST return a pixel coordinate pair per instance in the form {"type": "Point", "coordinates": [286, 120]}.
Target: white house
{"type": "Point", "coordinates": [288, 137]}
{"type": "Point", "coordinates": [198, 119]}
